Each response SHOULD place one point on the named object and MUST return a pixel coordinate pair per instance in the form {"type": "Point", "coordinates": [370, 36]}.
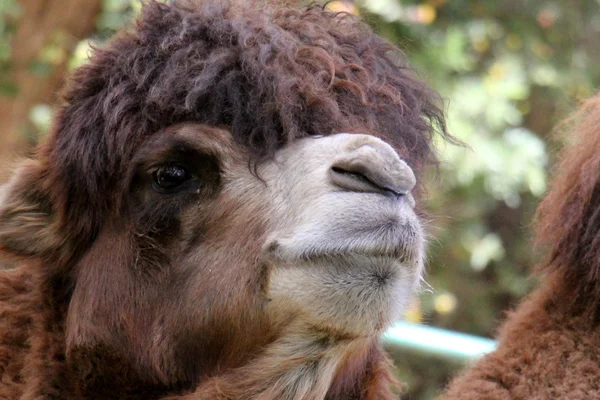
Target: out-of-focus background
{"type": "Point", "coordinates": [509, 71]}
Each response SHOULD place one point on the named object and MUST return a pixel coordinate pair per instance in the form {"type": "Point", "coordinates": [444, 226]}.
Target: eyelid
{"type": "Point", "coordinates": [152, 168]}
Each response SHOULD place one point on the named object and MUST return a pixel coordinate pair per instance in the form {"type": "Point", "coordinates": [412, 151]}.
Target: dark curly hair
{"type": "Point", "coordinates": [268, 73]}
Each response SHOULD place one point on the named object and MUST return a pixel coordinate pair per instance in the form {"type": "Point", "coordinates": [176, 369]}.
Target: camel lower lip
{"type": "Point", "coordinates": [403, 244]}
{"type": "Point", "coordinates": [396, 255]}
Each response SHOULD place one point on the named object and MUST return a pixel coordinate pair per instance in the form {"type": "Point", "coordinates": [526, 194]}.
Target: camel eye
{"type": "Point", "coordinates": [169, 178]}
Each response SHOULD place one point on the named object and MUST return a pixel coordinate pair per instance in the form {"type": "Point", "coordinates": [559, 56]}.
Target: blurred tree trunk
{"type": "Point", "coordinates": [47, 32]}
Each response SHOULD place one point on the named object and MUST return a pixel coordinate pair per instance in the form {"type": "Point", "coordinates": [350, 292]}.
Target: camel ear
{"type": "Point", "coordinates": [28, 227]}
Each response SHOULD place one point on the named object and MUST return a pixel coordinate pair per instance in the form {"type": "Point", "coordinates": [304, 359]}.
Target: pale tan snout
{"type": "Point", "coordinates": [368, 164]}
{"type": "Point", "coordinates": [346, 244]}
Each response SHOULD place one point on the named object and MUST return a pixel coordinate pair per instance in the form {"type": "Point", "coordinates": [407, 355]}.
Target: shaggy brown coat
{"type": "Point", "coordinates": [550, 346]}
{"type": "Point", "coordinates": [74, 312]}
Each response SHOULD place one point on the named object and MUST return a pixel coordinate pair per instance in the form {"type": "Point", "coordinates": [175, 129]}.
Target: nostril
{"type": "Point", "coordinates": [359, 179]}
{"type": "Point", "coordinates": [367, 164]}
{"type": "Point", "coordinates": [354, 175]}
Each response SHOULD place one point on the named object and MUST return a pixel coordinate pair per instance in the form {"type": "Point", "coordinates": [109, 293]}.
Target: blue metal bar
{"type": "Point", "coordinates": [438, 342]}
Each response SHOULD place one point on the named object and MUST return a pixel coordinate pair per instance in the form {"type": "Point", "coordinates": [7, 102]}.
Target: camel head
{"type": "Point", "coordinates": [225, 184]}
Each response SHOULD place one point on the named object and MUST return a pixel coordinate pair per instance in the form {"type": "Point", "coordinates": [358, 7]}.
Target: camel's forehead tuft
{"type": "Point", "coordinates": [271, 74]}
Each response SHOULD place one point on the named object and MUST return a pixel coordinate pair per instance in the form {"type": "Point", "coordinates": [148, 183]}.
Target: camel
{"type": "Point", "coordinates": [550, 345]}
{"type": "Point", "coordinates": [226, 208]}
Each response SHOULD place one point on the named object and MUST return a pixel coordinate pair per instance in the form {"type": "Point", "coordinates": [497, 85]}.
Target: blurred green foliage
{"type": "Point", "coordinates": [9, 12]}
{"type": "Point", "coordinates": [509, 71]}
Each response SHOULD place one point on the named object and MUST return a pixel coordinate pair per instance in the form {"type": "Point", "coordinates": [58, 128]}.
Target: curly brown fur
{"type": "Point", "coordinates": [122, 292]}
{"type": "Point", "coordinates": [568, 219]}
{"type": "Point", "coordinates": [550, 346]}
